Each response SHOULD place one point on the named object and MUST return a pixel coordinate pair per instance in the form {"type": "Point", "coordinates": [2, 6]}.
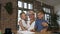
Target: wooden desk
{"type": "Point", "coordinates": [43, 32]}
{"type": "Point", "coordinates": [25, 32]}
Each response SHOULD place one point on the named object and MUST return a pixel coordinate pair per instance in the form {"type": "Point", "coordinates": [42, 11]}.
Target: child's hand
{"type": "Point", "coordinates": [43, 31]}
{"type": "Point", "coordinates": [32, 30]}
{"type": "Point", "coordinates": [44, 24]}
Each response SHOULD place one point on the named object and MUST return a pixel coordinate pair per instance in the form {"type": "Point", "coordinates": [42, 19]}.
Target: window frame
{"type": "Point", "coordinates": [49, 21]}
{"type": "Point", "coordinates": [27, 6]}
{"type": "Point", "coordinates": [24, 9]}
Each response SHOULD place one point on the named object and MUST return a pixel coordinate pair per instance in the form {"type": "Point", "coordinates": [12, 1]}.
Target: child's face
{"type": "Point", "coordinates": [23, 16]}
{"type": "Point", "coordinates": [40, 15]}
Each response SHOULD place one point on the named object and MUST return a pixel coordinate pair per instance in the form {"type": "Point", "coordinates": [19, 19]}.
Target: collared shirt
{"type": "Point", "coordinates": [30, 27]}
{"type": "Point", "coordinates": [38, 24]}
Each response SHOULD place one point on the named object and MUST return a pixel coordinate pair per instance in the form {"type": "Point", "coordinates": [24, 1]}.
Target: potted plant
{"type": "Point", "coordinates": [54, 24]}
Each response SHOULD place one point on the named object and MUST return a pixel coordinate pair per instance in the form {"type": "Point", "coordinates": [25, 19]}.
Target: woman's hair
{"type": "Point", "coordinates": [31, 12]}
{"type": "Point", "coordinates": [41, 11]}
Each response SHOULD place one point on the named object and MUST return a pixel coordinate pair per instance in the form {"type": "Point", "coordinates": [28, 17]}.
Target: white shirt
{"type": "Point", "coordinates": [23, 23]}
{"type": "Point", "coordinates": [30, 27]}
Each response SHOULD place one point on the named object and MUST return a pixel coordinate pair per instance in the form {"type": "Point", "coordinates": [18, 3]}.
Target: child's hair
{"type": "Point", "coordinates": [21, 13]}
{"type": "Point", "coordinates": [41, 11]}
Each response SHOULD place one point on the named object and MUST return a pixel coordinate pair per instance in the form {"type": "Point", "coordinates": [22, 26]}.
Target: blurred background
{"type": "Point", "coordinates": [10, 12]}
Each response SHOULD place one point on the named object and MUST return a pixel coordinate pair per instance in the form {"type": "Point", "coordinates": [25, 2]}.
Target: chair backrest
{"type": "Point", "coordinates": [8, 31]}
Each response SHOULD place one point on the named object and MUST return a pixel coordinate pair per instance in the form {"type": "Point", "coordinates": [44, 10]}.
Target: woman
{"type": "Point", "coordinates": [31, 22]}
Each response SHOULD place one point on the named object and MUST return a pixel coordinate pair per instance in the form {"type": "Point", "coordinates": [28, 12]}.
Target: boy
{"type": "Point", "coordinates": [40, 24]}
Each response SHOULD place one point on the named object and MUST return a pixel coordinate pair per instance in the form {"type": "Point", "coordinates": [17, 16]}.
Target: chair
{"type": "Point", "coordinates": [8, 31]}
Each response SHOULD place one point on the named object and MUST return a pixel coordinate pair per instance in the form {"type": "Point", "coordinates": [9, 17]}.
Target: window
{"type": "Point", "coordinates": [47, 14]}
{"type": "Point", "coordinates": [20, 4]}
{"type": "Point", "coordinates": [19, 11]}
{"type": "Point", "coordinates": [30, 6]}
{"type": "Point", "coordinates": [46, 10]}
{"type": "Point", "coordinates": [23, 7]}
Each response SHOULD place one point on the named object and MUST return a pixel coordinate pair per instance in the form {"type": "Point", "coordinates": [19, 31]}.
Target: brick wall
{"type": "Point", "coordinates": [6, 19]}
{"type": "Point", "coordinates": [0, 14]}
{"type": "Point", "coordinates": [37, 5]}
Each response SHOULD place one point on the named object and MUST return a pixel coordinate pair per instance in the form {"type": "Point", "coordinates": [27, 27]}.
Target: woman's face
{"type": "Point", "coordinates": [23, 16]}
{"type": "Point", "coordinates": [40, 15]}
{"type": "Point", "coordinates": [31, 16]}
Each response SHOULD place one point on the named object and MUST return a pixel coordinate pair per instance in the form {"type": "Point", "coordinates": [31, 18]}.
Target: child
{"type": "Point", "coordinates": [22, 22]}
{"type": "Point", "coordinates": [40, 24]}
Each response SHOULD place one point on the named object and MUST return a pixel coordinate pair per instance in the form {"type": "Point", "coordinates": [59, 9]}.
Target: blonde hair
{"type": "Point", "coordinates": [31, 12]}
{"type": "Point", "coordinates": [41, 11]}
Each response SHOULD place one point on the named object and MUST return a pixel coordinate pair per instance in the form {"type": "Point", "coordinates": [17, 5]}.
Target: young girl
{"type": "Point", "coordinates": [22, 22]}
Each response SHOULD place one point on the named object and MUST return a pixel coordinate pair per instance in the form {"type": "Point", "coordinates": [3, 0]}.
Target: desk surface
{"type": "Point", "coordinates": [27, 32]}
